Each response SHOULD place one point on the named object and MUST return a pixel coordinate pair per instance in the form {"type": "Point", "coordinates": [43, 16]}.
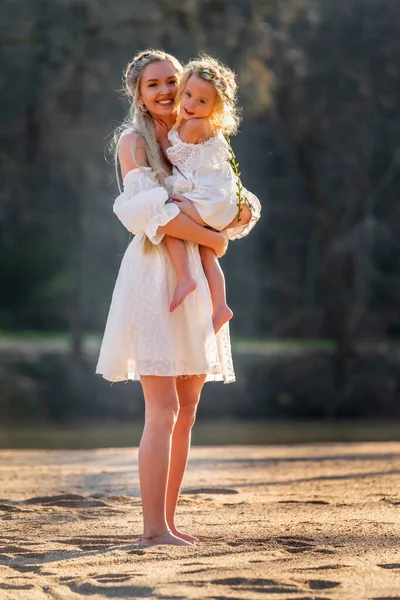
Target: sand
{"type": "Point", "coordinates": [281, 522]}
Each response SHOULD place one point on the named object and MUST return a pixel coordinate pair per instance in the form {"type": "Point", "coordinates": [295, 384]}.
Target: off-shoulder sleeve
{"type": "Point", "coordinates": [190, 157]}
{"type": "Point", "coordinates": [141, 207]}
{"type": "Point", "coordinates": [235, 233]}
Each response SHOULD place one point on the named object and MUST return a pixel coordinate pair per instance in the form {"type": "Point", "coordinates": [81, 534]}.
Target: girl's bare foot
{"type": "Point", "coordinates": [183, 289]}
{"type": "Point", "coordinates": [167, 538]}
{"type": "Point", "coordinates": [221, 316]}
{"type": "Point", "coordinates": [185, 536]}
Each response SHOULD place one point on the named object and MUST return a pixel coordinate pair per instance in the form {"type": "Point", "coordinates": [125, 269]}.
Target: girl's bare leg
{"type": "Point", "coordinates": [189, 389]}
{"type": "Point", "coordinates": [216, 282]}
{"type": "Point", "coordinates": [185, 284]}
{"type": "Point", "coordinates": [161, 413]}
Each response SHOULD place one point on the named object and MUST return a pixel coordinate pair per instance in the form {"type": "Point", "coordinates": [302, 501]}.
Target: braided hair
{"type": "Point", "coordinates": [141, 122]}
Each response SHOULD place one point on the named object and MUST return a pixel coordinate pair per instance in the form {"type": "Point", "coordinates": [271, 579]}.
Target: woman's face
{"type": "Point", "coordinates": [158, 87]}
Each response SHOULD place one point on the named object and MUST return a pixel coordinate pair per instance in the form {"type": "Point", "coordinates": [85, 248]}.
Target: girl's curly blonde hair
{"type": "Point", "coordinates": [225, 114]}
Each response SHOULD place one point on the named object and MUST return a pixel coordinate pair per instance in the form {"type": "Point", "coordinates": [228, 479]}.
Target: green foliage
{"type": "Point", "coordinates": [235, 168]}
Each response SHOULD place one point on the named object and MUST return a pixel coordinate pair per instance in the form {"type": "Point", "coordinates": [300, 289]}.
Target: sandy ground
{"type": "Point", "coordinates": [313, 522]}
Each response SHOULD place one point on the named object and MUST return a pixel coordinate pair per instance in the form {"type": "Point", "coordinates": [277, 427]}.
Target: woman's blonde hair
{"type": "Point", "coordinates": [141, 122]}
{"type": "Point", "coordinates": [225, 114]}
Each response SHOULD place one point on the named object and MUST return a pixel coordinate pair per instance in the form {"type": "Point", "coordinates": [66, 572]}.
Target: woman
{"type": "Point", "coordinates": [172, 354]}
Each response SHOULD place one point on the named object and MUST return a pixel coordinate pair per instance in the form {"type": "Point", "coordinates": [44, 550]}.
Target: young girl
{"type": "Point", "coordinates": [200, 155]}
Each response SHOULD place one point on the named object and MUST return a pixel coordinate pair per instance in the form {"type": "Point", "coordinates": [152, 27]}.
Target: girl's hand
{"type": "Point", "coordinates": [161, 130]}
{"type": "Point", "coordinates": [187, 207]}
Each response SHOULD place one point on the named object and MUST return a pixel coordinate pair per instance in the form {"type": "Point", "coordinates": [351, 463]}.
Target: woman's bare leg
{"type": "Point", "coordinates": [161, 412]}
{"type": "Point", "coordinates": [216, 282]}
{"type": "Point", "coordinates": [185, 284]}
{"type": "Point", "coordinates": [189, 390]}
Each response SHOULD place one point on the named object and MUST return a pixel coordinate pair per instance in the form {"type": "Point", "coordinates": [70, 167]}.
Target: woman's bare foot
{"type": "Point", "coordinates": [167, 538]}
{"type": "Point", "coordinates": [183, 289]}
{"type": "Point", "coordinates": [221, 316]}
{"type": "Point", "coordinates": [185, 536]}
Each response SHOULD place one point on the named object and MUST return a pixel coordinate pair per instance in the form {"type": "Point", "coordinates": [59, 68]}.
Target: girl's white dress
{"type": "Point", "coordinates": [202, 173]}
{"type": "Point", "coordinates": [141, 336]}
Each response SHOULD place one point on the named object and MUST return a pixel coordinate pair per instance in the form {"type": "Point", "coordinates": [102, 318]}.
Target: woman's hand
{"type": "Point", "coordinates": [221, 244]}
{"type": "Point", "coordinates": [161, 130]}
{"type": "Point", "coordinates": [187, 207]}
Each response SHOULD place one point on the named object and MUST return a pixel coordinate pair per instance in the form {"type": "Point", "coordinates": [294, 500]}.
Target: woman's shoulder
{"type": "Point", "coordinates": [130, 138]}
{"type": "Point", "coordinates": [131, 151]}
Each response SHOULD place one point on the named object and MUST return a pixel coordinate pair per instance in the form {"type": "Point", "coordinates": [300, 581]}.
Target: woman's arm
{"type": "Point", "coordinates": [181, 226]}
{"type": "Point", "coordinates": [131, 153]}
{"type": "Point", "coordinates": [188, 208]}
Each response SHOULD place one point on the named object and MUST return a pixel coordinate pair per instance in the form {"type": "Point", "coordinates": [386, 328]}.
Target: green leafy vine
{"type": "Point", "coordinates": [239, 188]}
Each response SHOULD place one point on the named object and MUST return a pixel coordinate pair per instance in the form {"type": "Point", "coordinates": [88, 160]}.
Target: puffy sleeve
{"type": "Point", "coordinates": [235, 233]}
{"type": "Point", "coordinates": [190, 157]}
{"type": "Point", "coordinates": [141, 207]}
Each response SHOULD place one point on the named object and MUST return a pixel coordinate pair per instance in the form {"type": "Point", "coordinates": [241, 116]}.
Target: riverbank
{"type": "Point", "coordinates": [221, 432]}
{"type": "Point", "coordinates": [302, 522]}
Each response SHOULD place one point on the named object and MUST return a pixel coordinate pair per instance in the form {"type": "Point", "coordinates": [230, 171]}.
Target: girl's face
{"type": "Point", "coordinates": [158, 87]}
{"type": "Point", "coordinates": [198, 98]}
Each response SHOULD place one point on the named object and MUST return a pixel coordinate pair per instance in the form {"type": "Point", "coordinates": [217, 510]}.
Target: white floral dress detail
{"type": "Point", "coordinates": [202, 173]}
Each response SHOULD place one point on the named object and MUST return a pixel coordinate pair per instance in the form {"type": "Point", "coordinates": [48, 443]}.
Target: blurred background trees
{"type": "Point", "coordinates": [319, 144]}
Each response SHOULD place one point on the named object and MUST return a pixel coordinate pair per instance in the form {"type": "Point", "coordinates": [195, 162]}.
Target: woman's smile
{"type": "Point", "coordinates": [166, 102]}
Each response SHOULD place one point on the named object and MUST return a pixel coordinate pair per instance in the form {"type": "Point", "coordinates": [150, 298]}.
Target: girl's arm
{"type": "Point", "coordinates": [187, 207]}
{"type": "Point", "coordinates": [249, 215]}
{"type": "Point", "coordinates": [245, 216]}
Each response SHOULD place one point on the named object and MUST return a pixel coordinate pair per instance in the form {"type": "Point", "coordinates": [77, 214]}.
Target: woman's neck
{"type": "Point", "coordinates": [169, 120]}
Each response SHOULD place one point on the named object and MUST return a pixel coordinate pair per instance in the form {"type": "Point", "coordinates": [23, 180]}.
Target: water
{"type": "Point", "coordinates": [109, 435]}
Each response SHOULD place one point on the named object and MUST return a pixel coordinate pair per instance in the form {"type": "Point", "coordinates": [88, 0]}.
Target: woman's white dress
{"type": "Point", "coordinates": [202, 173]}
{"type": "Point", "coordinates": [141, 336]}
